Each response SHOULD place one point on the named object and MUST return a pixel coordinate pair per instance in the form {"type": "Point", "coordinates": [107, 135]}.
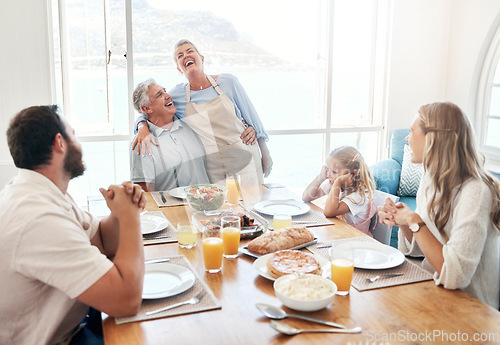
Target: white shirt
{"type": "Point", "coordinates": [179, 160]}
{"type": "Point", "coordinates": [470, 251]}
{"type": "Point", "coordinates": [46, 260]}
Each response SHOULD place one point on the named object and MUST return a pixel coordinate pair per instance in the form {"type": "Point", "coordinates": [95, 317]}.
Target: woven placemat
{"type": "Point", "coordinates": [168, 231]}
{"type": "Point", "coordinates": [412, 273]}
{"type": "Point", "coordinates": [208, 300]}
{"type": "Point", "coordinates": [169, 200]}
{"type": "Point", "coordinates": [309, 219]}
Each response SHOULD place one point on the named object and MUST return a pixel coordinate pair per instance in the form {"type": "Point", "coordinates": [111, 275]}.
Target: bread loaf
{"type": "Point", "coordinates": [286, 238]}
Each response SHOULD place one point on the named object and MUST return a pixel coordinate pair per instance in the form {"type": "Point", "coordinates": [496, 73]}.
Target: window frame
{"type": "Point", "coordinates": [489, 68]}
{"type": "Point", "coordinates": [378, 77]}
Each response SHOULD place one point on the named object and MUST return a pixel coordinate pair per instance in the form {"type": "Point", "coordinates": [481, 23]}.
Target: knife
{"type": "Point", "coordinates": [163, 200]}
{"type": "Point", "coordinates": [156, 261]}
{"type": "Point", "coordinates": [156, 237]}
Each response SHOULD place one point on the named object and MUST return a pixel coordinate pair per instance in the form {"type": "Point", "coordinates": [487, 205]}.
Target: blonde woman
{"type": "Point", "coordinates": [349, 184]}
{"type": "Point", "coordinates": [456, 222]}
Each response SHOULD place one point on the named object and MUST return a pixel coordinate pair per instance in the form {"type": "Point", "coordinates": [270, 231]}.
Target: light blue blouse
{"type": "Point", "coordinates": [233, 89]}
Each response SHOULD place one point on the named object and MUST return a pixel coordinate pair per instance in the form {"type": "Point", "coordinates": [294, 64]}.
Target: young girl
{"type": "Point", "coordinates": [349, 184]}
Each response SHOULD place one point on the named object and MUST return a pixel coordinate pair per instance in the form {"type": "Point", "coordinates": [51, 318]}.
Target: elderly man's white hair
{"type": "Point", "coordinates": [140, 97]}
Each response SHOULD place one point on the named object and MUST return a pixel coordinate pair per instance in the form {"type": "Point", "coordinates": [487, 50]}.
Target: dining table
{"type": "Point", "coordinates": [415, 313]}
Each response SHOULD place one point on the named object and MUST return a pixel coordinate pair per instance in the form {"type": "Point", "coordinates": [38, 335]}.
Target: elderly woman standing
{"type": "Point", "coordinates": [457, 219]}
{"type": "Point", "coordinates": [217, 109]}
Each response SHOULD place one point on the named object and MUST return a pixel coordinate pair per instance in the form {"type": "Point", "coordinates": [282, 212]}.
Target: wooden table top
{"type": "Point", "coordinates": [420, 313]}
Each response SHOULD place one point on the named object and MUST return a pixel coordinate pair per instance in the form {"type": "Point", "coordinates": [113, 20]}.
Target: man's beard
{"type": "Point", "coordinates": [73, 163]}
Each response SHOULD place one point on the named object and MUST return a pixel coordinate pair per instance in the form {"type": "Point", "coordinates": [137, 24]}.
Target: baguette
{"type": "Point", "coordinates": [286, 238]}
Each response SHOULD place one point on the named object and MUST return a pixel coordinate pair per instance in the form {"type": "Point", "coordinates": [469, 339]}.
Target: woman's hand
{"type": "Point", "coordinates": [394, 214]}
{"type": "Point", "coordinates": [249, 136]}
{"type": "Point", "coordinates": [267, 164]}
{"type": "Point", "coordinates": [143, 139]}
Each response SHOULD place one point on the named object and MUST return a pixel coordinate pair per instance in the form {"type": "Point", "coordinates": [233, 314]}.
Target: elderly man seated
{"type": "Point", "coordinates": [179, 159]}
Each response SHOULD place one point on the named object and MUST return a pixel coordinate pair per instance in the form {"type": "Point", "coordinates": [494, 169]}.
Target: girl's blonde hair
{"type": "Point", "coordinates": [352, 160]}
{"type": "Point", "coordinates": [451, 156]}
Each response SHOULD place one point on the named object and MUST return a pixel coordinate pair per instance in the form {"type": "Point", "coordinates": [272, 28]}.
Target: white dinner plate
{"type": "Point", "coordinates": [178, 192]}
{"type": "Point", "coordinates": [151, 224]}
{"type": "Point", "coordinates": [374, 255]}
{"type": "Point", "coordinates": [244, 249]}
{"type": "Point", "coordinates": [260, 266]}
{"type": "Point", "coordinates": [164, 280]}
{"type": "Point", "coordinates": [291, 207]}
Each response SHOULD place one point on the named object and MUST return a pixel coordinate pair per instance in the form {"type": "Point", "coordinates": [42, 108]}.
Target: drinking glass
{"type": "Point", "coordinates": [342, 263]}
{"type": "Point", "coordinates": [233, 189]}
{"type": "Point", "coordinates": [231, 226]}
{"type": "Point", "coordinates": [282, 220]}
{"type": "Point", "coordinates": [212, 248]}
{"type": "Point", "coordinates": [187, 235]}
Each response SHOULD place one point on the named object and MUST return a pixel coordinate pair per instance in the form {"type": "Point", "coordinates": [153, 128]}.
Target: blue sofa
{"type": "Point", "coordinates": [387, 173]}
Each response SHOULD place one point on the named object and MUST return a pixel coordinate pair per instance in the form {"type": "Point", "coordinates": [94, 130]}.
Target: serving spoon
{"type": "Point", "coordinates": [289, 330]}
{"type": "Point", "coordinates": [276, 313]}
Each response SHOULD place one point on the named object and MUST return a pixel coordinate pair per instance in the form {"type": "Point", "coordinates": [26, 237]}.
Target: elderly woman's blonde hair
{"type": "Point", "coordinates": [181, 43]}
{"type": "Point", "coordinates": [352, 160]}
{"type": "Point", "coordinates": [451, 156]}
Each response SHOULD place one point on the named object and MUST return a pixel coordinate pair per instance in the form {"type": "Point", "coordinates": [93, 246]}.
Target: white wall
{"type": "Point", "coordinates": [24, 66]}
{"type": "Point", "coordinates": [418, 57]}
{"type": "Point", "coordinates": [473, 24]}
{"type": "Point", "coordinates": [437, 50]}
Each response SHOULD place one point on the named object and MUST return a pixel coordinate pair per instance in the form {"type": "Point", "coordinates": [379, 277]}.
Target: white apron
{"type": "Point", "coordinates": [220, 129]}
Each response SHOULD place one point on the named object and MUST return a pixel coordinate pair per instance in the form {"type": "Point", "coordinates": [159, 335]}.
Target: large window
{"type": "Point", "coordinates": [311, 68]}
{"type": "Point", "coordinates": [488, 111]}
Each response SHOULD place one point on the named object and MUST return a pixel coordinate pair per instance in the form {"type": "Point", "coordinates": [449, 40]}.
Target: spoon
{"type": "Point", "coordinates": [289, 330]}
{"type": "Point", "coordinates": [276, 313]}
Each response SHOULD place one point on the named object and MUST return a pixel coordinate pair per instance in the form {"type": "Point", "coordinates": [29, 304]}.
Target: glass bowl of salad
{"type": "Point", "coordinates": [205, 197]}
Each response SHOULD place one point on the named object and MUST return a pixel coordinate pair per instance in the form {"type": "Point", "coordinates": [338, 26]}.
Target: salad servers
{"type": "Point", "coordinates": [373, 279]}
{"type": "Point", "coordinates": [289, 330]}
{"type": "Point", "coordinates": [276, 313]}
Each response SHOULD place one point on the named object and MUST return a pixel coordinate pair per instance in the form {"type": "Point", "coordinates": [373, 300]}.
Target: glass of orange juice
{"type": "Point", "coordinates": [212, 248]}
{"type": "Point", "coordinates": [187, 235]}
{"type": "Point", "coordinates": [282, 220]}
{"type": "Point", "coordinates": [342, 263]}
{"type": "Point", "coordinates": [233, 189]}
{"type": "Point", "coordinates": [231, 226]}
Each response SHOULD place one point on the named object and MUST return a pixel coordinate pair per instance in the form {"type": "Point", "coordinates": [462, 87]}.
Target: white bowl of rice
{"type": "Point", "coordinates": [305, 292]}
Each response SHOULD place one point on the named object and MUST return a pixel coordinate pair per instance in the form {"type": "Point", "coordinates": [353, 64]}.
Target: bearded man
{"type": "Point", "coordinates": [55, 259]}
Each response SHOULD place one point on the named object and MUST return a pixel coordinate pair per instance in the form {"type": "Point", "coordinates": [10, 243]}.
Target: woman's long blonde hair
{"type": "Point", "coordinates": [451, 156]}
{"type": "Point", "coordinates": [364, 183]}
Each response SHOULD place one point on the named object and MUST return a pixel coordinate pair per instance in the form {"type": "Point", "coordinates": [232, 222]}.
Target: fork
{"type": "Point", "coordinates": [373, 279]}
{"type": "Point", "coordinates": [193, 300]}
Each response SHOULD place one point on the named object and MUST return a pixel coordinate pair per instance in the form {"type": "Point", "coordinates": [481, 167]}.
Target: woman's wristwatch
{"type": "Point", "coordinates": [415, 227]}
